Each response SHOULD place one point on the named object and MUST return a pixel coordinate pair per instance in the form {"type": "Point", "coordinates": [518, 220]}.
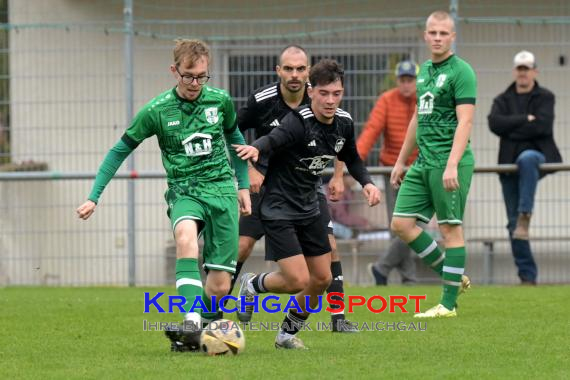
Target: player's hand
{"type": "Point", "coordinates": [244, 201]}
{"type": "Point", "coordinates": [86, 209]}
{"type": "Point", "coordinates": [372, 194]}
{"type": "Point", "coordinates": [336, 188]}
{"type": "Point", "coordinates": [530, 118]}
{"type": "Point", "coordinates": [450, 181]}
{"type": "Point", "coordinates": [255, 180]}
{"type": "Point", "coordinates": [397, 175]}
{"type": "Point", "coordinates": [246, 152]}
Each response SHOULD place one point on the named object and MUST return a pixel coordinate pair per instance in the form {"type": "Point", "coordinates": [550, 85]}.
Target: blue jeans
{"type": "Point", "coordinates": [519, 190]}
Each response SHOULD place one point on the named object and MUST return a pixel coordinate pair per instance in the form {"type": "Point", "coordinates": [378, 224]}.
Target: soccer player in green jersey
{"type": "Point", "coordinates": [195, 125]}
{"type": "Point", "coordinates": [439, 179]}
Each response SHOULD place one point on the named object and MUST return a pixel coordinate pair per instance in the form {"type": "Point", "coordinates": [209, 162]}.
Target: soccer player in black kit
{"type": "Point", "coordinates": [299, 149]}
{"type": "Point", "coordinates": [265, 109]}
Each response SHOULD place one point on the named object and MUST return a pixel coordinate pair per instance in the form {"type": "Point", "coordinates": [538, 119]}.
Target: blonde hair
{"type": "Point", "coordinates": [192, 50]}
{"type": "Point", "coordinates": [441, 16]}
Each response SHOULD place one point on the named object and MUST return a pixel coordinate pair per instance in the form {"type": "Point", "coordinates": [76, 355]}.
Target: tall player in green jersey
{"type": "Point", "coordinates": [439, 179]}
{"type": "Point", "coordinates": [195, 125]}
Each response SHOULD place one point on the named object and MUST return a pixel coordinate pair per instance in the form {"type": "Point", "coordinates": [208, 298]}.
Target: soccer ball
{"type": "Point", "coordinates": [222, 337]}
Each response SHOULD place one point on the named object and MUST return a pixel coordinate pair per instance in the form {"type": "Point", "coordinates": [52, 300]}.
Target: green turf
{"type": "Point", "coordinates": [97, 333]}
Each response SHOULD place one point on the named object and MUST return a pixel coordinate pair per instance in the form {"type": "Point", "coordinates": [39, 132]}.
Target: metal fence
{"type": "Point", "coordinates": [67, 102]}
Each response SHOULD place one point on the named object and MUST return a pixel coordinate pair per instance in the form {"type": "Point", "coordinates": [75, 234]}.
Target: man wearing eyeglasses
{"type": "Point", "coordinates": [194, 125]}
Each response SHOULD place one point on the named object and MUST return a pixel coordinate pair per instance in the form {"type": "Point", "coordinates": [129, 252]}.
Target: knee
{"type": "Point", "coordinates": [186, 244]}
{"type": "Point", "coordinates": [322, 281]}
{"type": "Point", "coordinates": [245, 246]}
{"type": "Point", "coordinates": [529, 159]}
{"type": "Point", "coordinates": [400, 226]}
{"type": "Point", "coordinates": [218, 289]}
{"type": "Point", "coordinates": [297, 282]}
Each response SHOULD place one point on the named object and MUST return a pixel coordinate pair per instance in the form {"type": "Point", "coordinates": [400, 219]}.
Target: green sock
{"type": "Point", "coordinates": [453, 268]}
{"type": "Point", "coordinates": [188, 281]}
{"type": "Point", "coordinates": [210, 316]}
{"type": "Point", "coordinates": [428, 251]}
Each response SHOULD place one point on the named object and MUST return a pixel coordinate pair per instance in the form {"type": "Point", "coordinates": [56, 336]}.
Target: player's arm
{"type": "Point", "coordinates": [246, 115]}
{"type": "Point", "coordinates": [141, 128]}
{"type": "Point", "coordinates": [465, 91]}
{"type": "Point", "coordinates": [465, 113]}
{"type": "Point", "coordinates": [373, 128]}
{"type": "Point", "coordinates": [247, 119]}
{"type": "Point", "coordinates": [336, 183]}
{"type": "Point", "coordinates": [290, 132]}
{"type": "Point", "coordinates": [113, 160]}
{"type": "Point", "coordinates": [358, 170]}
{"type": "Point", "coordinates": [407, 149]}
{"type": "Point", "coordinates": [234, 138]}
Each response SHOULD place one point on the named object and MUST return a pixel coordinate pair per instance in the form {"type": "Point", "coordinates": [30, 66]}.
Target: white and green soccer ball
{"type": "Point", "coordinates": [222, 337]}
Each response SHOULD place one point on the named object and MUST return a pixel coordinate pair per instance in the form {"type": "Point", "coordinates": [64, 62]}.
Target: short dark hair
{"type": "Point", "coordinates": [325, 72]}
{"type": "Point", "coordinates": [292, 47]}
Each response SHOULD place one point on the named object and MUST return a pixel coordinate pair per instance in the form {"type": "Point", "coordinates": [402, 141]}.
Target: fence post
{"type": "Point", "coordinates": [453, 10]}
{"type": "Point", "coordinates": [131, 242]}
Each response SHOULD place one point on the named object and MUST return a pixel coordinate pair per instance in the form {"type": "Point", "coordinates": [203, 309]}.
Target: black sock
{"type": "Point", "coordinates": [337, 285]}
{"type": "Point", "coordinates": [235, 276]}
{"type": "Point", "coordinates": [258, 284]}
{"type": "Point", "coordinates": [293, 322]}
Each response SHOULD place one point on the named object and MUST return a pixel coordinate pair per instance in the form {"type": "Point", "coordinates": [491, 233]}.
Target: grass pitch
{"type": "Point", "coordinates": [97, 333]}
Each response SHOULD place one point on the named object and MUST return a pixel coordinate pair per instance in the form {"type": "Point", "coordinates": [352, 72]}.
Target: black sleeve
{"type": "Point", "coordinates": [246, 115]}
{"type": "Point", "coordinates": [543, 125]}
{"type": "Point", "coordinates": [351, 158]}
{"type": "Point", "coordinates": [501, 122]}
{"type": "Point", "coordinates": [262, 164]}
{"type": "Point", "coordinates": [290, 132]}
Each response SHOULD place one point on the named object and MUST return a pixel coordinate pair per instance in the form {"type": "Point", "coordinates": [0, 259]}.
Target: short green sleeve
{"type": "Point", "coordinates": [143, 125]}
{"type": "Point", "coordinates": [465, 85]}
{"type": "Point", "coordinates": [230, 117]}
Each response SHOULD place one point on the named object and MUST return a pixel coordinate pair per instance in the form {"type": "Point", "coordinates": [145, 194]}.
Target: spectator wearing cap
{"type": "Point", "coordinates": [523, 118]}
{"type": "Point", "coordinates": [390, 118]}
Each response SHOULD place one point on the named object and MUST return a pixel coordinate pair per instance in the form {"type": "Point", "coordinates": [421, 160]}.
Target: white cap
{"type": "Point", "coordinates": [524, 58]}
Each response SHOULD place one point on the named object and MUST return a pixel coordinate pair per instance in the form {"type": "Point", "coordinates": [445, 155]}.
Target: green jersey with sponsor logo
{"type": "Point", "coordinates": [191, 139]}
{"type": "Point", "coordinates": [440, 88]}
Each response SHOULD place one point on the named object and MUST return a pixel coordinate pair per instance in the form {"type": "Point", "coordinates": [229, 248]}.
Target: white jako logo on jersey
{"type": "Point", "coordinates": [198, 144]}
{"type": "Point", "coordinates": [212, 115]}
{"type": "Point", "coordinates": [173, 123]}
{"type": "Point", "coordinates": [339, 144]}
{"type": "Point", "coordinates": [426, 104]}
{"type": "Point", "coordinates": [317, 164]}
{"type": "Point", "coordinates": [440, 80]}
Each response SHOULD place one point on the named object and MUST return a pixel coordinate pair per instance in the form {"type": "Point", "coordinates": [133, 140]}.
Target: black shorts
{"type": "Point", "coordinates": [251, 225]}
{"type": "Point", "coordinates": [325, 214]}
{"type": "Point", "coordinates": [286, 238]}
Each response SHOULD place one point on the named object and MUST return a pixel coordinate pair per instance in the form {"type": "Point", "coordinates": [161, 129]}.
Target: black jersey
{"type": "Point", "coordinates": [265, 109]}
{"type": "Point", "coordinates": [300, 148]}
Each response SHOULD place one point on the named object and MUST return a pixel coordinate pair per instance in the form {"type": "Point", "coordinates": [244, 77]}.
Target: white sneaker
{"type": "Point", "coordinates": [438, 311]}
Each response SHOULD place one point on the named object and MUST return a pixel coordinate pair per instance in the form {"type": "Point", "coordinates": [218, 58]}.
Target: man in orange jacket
{"type": "Point", "coordinates": [390, 118]}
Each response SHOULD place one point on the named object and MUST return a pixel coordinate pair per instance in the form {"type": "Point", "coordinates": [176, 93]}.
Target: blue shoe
{"type": "Point", "coordinates": [376, 276]}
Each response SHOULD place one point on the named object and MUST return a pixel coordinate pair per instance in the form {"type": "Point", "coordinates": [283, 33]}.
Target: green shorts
{"type": "Point", "coordinates": [217, 219]}
{"type": "Point", "coordinates": [422, 194]}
